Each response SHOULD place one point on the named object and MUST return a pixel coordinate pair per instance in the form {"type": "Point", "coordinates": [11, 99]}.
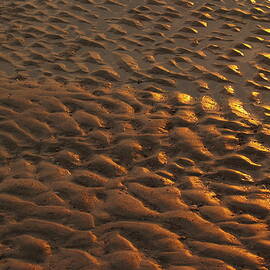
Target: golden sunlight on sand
{"type": "Point", "coordinates": [134, 135]}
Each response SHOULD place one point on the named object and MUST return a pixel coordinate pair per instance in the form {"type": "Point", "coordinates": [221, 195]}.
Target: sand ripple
{"type": "Point", "coordinates": [134, 135]}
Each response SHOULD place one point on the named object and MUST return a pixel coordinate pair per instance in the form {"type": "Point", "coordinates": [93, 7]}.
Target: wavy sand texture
{"type": "Point", "coordinates": [134, 135]}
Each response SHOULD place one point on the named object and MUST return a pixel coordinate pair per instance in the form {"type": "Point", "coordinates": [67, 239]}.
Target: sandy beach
{"type": "Point", "coordinates": [134, 135]}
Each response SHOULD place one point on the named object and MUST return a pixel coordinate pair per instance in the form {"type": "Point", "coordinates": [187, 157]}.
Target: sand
{"type": "Point", "coordinates": [134, 135]}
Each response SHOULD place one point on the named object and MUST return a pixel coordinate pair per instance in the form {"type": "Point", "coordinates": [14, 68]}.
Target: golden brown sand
{"type": "Point", "coordinates": [134, 135]}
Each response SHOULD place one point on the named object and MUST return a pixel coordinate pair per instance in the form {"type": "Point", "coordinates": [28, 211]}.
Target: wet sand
{"type": "Point", "coordinates": [134, 135]}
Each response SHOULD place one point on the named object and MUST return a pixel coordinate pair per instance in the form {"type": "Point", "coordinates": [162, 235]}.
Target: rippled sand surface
{"type": "Point", "coordinates": [134, 135]}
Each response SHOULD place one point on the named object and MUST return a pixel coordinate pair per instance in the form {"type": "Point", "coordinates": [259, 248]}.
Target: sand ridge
{"type": "Point", "coordinates": [134, 135]}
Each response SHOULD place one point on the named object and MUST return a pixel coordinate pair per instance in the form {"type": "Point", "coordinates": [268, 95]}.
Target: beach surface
{"type": "Point", "coordinates": [134, 135]}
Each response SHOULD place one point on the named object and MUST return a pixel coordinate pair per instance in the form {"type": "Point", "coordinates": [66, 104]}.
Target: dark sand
{"type": "Point", "coordinates": [134, 135]}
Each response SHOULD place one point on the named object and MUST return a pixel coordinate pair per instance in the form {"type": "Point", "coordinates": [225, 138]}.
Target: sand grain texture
{"type": "Point", "coordinates": [134, 135]}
